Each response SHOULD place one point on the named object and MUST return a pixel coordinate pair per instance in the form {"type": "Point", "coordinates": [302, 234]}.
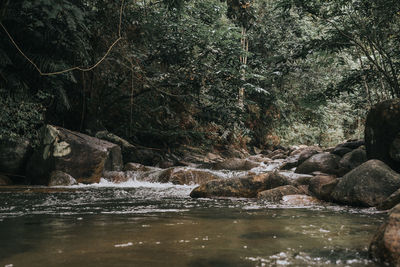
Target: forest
{"type": "Point", "coordinates": [199, 133]}
{"type": "Point", "coordinates": [191, 72]}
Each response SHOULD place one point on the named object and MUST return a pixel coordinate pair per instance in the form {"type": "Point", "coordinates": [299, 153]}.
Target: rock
{"type": "Point", "coordinates": [59, 178]}
{"type": "Point", "coordinates": [247, 187]}
{"type": "Point", "coordinates": [83, 157]}
{"type": "Point", "coordinates": [308, 153]}
{"type": "Point", "coordinates": [354, 144]}
{"type": "Point", "coordinates": [394, 150]}
{"type": "Point", "coordinates": [303, 180]}
{"type": "Point", "coordinates": [135, 167]}
{"type": "Point", "coordinates": [300, 200]}
{"type": "Point", "coordinates": [279, 152]}
{"type": "Point", "coordinates": [324, 162]}
{"type": "Point", "coordinates": [382, 129]}
{"type": "Point", "coordinates": [116, 177]}
{"type": "Point", "coordinates": [385, 245]}
{"type": "Point", "coordinates": [279, 156]}
{"type": "Point", "coordinates": [4, 180]}
{"type": "Point", "coordinates": [351, 160]}
{"type": "Point", "coordinates": [13, 157]}
{"type": "Point", "coordinates": [322, 186]}
{"type": "Point", "coordinates": [341, 151]}
{"type": "Point", "coordinates": [290, 163]}
{"type": "Point", "coordinates": [186, 176]}
{"type": "Point", "coordinates": [236, 164]}
{"type": "Point", "coordinates": [145, 156]}
{"type": "Point", "coordinates": [391, 201]}
{"type": "Point", "coordinates": [367, 185]}
{"type": "Point", "coordinates": [276, 194]}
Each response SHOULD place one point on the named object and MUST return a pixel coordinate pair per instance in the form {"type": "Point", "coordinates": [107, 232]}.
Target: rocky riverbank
{"type": "Point", "coordinates": [355, 173]}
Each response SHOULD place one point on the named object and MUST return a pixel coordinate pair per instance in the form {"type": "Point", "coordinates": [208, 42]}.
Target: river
{"type": "Point", "coordinates": [150, 224]}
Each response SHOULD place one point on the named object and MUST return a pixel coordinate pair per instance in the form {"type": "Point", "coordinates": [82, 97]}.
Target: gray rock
{"type": "Point", "coordinates": [183, 176]}
{"type": "Point", "coordinates": [308, 153]}
{"type": "Point", "coordinates": [322, 186]}
{"type": "Point", "coordinates": [352, 160]}
{"type": "Point", "coordinates": [247, 187]}
{"type": "Point", "coordinates": [82, 156]}
{"type": "Point", "coordinates": [367, 185]}
{"type": "Point", "coordinates": [116, 176]}
{"type": "Point", "coordinates": [133, 167]}
{"type": "Point", "coordinates": [323, 162]}
{"type": "Point", "coordinates": [276, 194]}
{"type": "Point", "coordinates": [59, 178]}
{"type": "Point", "coordinates": [341, 151]}
{"type": "Point", "coordinates": [236, 164]}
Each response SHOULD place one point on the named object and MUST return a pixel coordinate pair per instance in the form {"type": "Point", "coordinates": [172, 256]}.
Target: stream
{"type": "Point", "coordinates": [139, 223]}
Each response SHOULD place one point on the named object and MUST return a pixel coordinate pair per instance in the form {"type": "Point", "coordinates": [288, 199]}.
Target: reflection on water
{"type": "Point", "coordinates": [159, 225]}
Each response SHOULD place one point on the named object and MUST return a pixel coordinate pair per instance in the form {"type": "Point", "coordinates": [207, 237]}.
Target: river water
{"type": "Point", "coordinates": [150, 224]}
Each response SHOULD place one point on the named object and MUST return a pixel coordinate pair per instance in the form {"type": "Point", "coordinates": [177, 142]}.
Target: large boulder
{"type": "Point", "coordinates": [367, 185]}
{"type": "Point", "coordinates": [276, 194]}
{"type": "Point", "coordinates": [307, 153]}
{"type": "Point", "coordinates": [13, 158]}
{"type": "Point", "coordinates": [385, 245]}
{"type": "Point", "coordinates": [322, 186]}
{"type": "Point", "coordinates": [382, 131]}
{"type": "Point", "coordinates": [352, 160]}
{"type": "Point", "coordinates": [323, 162]}
{"type": "Point", "coordinates": [247, 187]}
{"type": "Point", "coordinates": [186, 176]}
{"type": "Point", "coordinates": [131, 153]}
{"type": "Point", "coordinates": [83, 157]}
{"type": "Point", "coordinates": [235, 164]}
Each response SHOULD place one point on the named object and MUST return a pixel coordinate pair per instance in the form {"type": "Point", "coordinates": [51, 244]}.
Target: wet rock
{"type": "Point", "coordinates": [4, 180]}
{"type": "Point", "coordinates": [367, 185]}
{"type": "Point", "coordinates": [385, 245]}
{"type": "Point", "coordinates": [300, 200]}
{"type": "Point", "coordinates": [134, 167]}
{"type": "Point", "coordinates": [247, 187]}
{"type": "Point", "coordinates": [13, 157]}
{"type": "Point", "coordinates": [116, 176]}
{"type": "Point", "coordinates": [276, 194]}
{"type": "Point", "coordinates": [352, 160]}
{"type": "Point", "coordinates": [186, 176]}
{"type": "Point", "coordinates": [59, 178]}
{"type": "Point", "coordinates": [382, 129]}
{"type": "Point", "coordinates": [324, 162]}
{"type": "Point", "coordinates": [323, 186]}
{"type": "Point", "coordinates": [236, 164]}
{"type": "Point", "coordinates": [81, 156]}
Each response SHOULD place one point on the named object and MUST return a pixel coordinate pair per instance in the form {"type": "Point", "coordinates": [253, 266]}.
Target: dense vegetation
{"type": "Point", "coordinates": [210, 72]}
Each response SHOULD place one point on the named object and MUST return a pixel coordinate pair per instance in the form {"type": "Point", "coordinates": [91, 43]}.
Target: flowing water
{"type": "Point", "coordinates": [150, 224]}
